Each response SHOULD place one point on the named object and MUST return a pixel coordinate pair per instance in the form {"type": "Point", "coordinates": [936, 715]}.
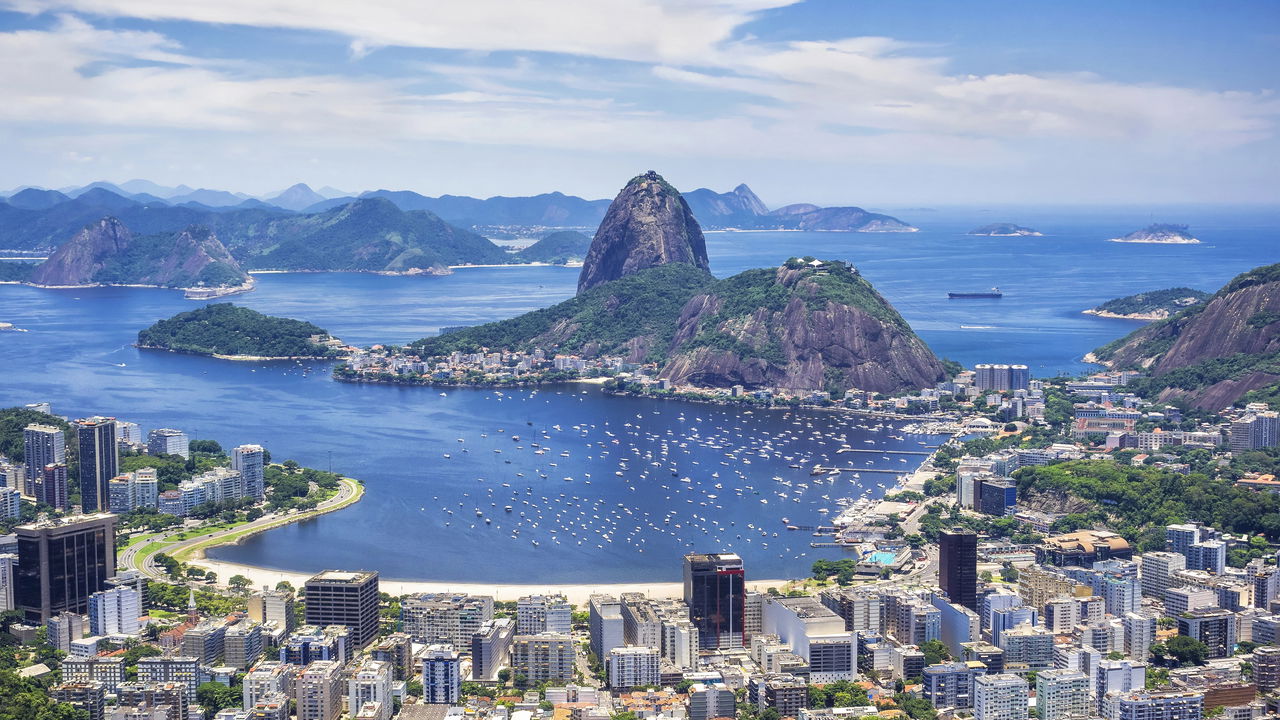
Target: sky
{"type": "Point", "coordinates": [839, 102]}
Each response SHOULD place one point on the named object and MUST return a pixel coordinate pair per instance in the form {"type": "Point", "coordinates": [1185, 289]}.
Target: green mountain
{"type": "Point", "coordinates": [369, 235]}
{"type": "Point", "coordinates": [806, 325]}
{"type": "Point", "coordinates": [226, 329]}
{"type": "Point", "coordinates": [1153, 305]}
{"type": "Point", "coordinates": [107, 253]}
{"type": "Point", "coordinates": [1212, 353]}
{"type": "Point", "coordinates": [558, 248]}
{"type": "Point", "coordinates": [633, 315]}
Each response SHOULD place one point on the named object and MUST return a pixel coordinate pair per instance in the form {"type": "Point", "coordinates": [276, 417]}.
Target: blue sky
{"type": "Point", "coordinates": [827, 101]}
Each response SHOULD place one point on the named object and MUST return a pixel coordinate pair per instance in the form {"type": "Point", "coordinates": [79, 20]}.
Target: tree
{"type": "Point", "coordinates": [1187, 650]}
{"type": "Point", "coordinates": [238, 582]}
{"type": "Point", "coordinates": [214, 696]}
{"type": "Point", "coordinates": [284, 586]}
{"type": "Point", "coordinates": [934, 652]}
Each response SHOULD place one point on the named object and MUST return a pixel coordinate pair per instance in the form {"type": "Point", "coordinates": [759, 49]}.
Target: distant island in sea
{"type": "Point", "coordinates": [1160, 234]}
{"type": "Point", "coordinates": [1153, 305]}
{"type": "Point", "coordinates": [1005, 230]}
{"type": "Point", "coordinates": [231, 332]}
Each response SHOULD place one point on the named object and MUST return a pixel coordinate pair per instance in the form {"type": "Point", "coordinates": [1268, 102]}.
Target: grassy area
{"type": "Point", "coordinates": [137, 540]}
{"type": "Point", "coordinates": [184, 555]}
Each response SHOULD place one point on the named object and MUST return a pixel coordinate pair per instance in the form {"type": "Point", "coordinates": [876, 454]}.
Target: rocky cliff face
{"type": "Point", "coordinates": [1240, 324]}
{"type": "Point", "coordinates": [648, 224]}
{"type": "Point", "coordinates": [804, 326]}
{"type": "Point", "coordinates": [107, 253]}
{"type": "Point", "coordinates": [79, 259]}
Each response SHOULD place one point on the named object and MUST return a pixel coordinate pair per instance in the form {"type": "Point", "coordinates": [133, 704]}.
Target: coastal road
{"type": "Point", "coordinates": [348, 492]}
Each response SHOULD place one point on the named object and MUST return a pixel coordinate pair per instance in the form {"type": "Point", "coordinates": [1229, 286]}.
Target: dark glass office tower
{"type": "Point", "coordinates": [715, 591]}
{"type": "Point", "coordinates": [958, 566]}
{"type": "Point", "coordinates": [99, 462]}
{"type": "Point", "coordinates": [336, 597]}
{"type": "Point", "coordinates": [62, 562]}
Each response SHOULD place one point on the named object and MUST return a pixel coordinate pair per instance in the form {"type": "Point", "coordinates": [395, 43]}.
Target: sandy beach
{"type": "Point", "coordinates": [577, 594]}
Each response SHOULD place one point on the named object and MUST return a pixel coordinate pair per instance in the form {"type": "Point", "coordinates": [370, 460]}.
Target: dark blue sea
{"type": "Point", "coordinates": [424, 516]}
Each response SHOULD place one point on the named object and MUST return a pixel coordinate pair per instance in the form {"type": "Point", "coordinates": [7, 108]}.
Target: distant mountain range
{"type": "Point", "coordinates": [33, 218]}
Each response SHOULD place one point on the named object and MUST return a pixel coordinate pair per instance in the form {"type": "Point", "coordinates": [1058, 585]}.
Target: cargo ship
{"type": "Point", "coordinates": [992, 293]}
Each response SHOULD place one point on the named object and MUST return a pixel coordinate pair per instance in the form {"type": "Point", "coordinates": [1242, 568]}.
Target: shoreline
{"type": "Point", "coordinates": [1144, 317]}
{"type": "Point", "coordinates": [236, 358]}
{"type": "Point", "coordinates": [577, 593]}
{"type": "Point", "coordinates": [204, 292]}
{"type": "Point", "coordinates": [1192, 241]}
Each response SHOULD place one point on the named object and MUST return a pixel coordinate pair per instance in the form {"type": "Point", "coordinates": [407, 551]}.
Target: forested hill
{"type": "Point", "coordinates": [1214, 353]}
{"type": "Point", "coordinates": [226, 329]}
{"type": "Point", "coordinates": [1153, 305]}
{"type": "Point", "coordinates": [809, 324]}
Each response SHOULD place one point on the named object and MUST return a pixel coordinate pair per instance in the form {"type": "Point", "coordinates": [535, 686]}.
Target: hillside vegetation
{"type": "Point", "coordinates": [558, 248]}
{"type": "Point", "coordinates": [1135, 500]}
{"type": "Point", "coordinates": [1168, 302]}
{"type": "Point", "coordinates": [226, 329]}
{"type": "Point", "coordinates": [599, 320]}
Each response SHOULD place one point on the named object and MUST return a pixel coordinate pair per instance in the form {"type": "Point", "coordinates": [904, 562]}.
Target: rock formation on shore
{"type": "Point", "coordinates": [648, 224]}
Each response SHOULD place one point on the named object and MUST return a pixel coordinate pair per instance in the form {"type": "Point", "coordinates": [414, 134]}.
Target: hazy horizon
{"type": "Point", "coordinates": [921, 103]}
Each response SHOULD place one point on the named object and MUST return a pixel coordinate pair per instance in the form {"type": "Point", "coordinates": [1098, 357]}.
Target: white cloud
{"type": "Point", "coordinates": [644, 30]}
{"type": "Point", "coordinates": [635, 78]}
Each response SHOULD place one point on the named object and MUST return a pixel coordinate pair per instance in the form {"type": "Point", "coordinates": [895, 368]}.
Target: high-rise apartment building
{"type": "Point", "coordinates": [1143, 705]}
{"type": "Point", "coordinates": [41, 445]}
{"type": "Point", "coordinates": [958, 566]}
{"type": "Point", "coordinates": [318, 691]}
{"type": "Point", "coordinates": [1157, 569]}
{"type": "Point", "coordinates": [606, 624]}
{"type": "Point", "coordinates": [85, 694]}
{"type": "Point", "coordinates": [99, 461]}
{"type": "Point", "coordinates": [633, 666]}
{"type": "Point", "coordinates": [272, 606]}
{"type": "Point", "coordinates": [167, 441]}
{"type": "Point", "coordinates": [115, 611]}
{"type": "Point", "coordinates": [444, 618]}
{"type": "Point", "coordinates": [714, 590]}
{"type": "Point", "coordinates": [249, 461]}
{"type": "Point", "coordinates": [1001, 377]}
{"type": "Point", "coordinates": [712, 700]}
{"type": "Point", "coordinates": [1000, 697]}
{"type": "Point", "coordinates": [441, 675]}
{"type": "Point", "coordinates": [350, 599]}
{"type": "Point", "coordinates": [543, 614]}
{"type": "Point", "coordinates": [62, 562]}
{"type": "Point", "coordinates": [1266, 668]}
{"type": "Point", "coordinates": [1062, 695]}
{"type": "Point", "coordinates": [491, 648]}
{"type": "Point", "coordinates": [548, 656]}
{"type": "Point", "coordinates": [51, 486]}
{"type": "Point", "coordinates": [267, 679]}
{"type": "Point", "coordinates": [369, 684]}
{"type": "Point", "coordinates": [1215, 627]}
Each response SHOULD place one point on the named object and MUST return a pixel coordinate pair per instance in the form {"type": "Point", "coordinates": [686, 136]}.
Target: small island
{"type": "Point", "coordinates": [1005, 230]}
{"type": "Point", "coordinates": [1150, 306]}
{"type": "Point", "coordinates": [229, 332]}
{"type": "Point", "coordinates": [567, 247]}
{"type": "Point", "coordinates": [1160, 234]}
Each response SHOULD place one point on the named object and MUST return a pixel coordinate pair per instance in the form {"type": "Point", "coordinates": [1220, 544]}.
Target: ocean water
{"type": "Point", "coordinates": [629, 527]}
